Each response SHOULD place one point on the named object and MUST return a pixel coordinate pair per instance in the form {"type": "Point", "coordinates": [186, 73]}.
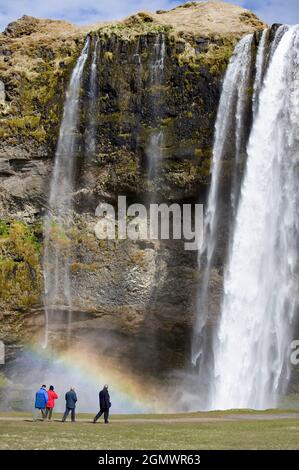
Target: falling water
{"type": "Point", "coordinates": [57, 295]}
{"type": "Point", "coordinates": [263, 58]}
{"type": "Point", "coordinates": [157, 137]}
{"type": "Point", "coordinates": [279, 34]}
{"type": "Point", "coordinates": [230, 115]}
{"type": "Point", "coordinates": [90, 141]}
{"type": "Point", "coordinates": [252, 364]}
{"type": "Point", "coordinates": [159, 59]}
{"type": "Point", "coordinates": [243, 82]}
{"type": "Point", "coordinates": [136, 56]}
{"type": "Point", "coordinates": [259, 69]}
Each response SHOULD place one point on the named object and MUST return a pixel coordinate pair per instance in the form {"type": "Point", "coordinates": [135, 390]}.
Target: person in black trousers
{"type": "Point", "coordinates": [70, 405]}
{"type": "Point", "coordinates": [104, 399]}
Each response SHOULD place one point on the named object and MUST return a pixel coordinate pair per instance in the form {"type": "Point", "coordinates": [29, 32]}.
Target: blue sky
{"type": "Point", "coordinates": [91, 11]}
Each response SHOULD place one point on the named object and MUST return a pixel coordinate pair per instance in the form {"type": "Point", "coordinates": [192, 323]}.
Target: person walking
{"type": "Point", "coordinates": [70, 405]}
{"type": "Point", "coordinates": [105, 405]}
{"type": "Point", "coordinates": [52, 396]}
{"type": "Point", "coordinates": [41, 400]}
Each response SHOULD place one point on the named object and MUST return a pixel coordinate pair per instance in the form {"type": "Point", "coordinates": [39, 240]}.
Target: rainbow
{"type": "Point", "coordinates": [87, 373]}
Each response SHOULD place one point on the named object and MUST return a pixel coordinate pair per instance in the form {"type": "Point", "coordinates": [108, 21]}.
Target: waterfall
{"type": "Point", "coordinates": [157, 137]}
{"type": "Point", "coordinates": [57, 289]}
{"type": "Point", "coordinates": [90, 142]}
{"type": "Point", "coordinates": [136, 56]}
{"type": "Point", "coordinates": [259, 69]}
{"type": "Point", "coordinates": [243, 82]}
{"type": "Point", "coordinates": [279, 34]}
{"type": "Point", "coordinates": [159, 59]}
{"type": "Point", "coordinates": [231, 112]}
{"type": "Point", "coordinates": [252, 364]}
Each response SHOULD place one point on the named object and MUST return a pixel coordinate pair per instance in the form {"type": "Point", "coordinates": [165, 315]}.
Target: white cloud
{"type": "Point", "coordinates": [273, 11]}
{"type": "Point", "coordinates": [278, 11]}
{"type": "Point", "coordinates": [91, 11]}
{"type": "Point", "coordinates": [78, 11]}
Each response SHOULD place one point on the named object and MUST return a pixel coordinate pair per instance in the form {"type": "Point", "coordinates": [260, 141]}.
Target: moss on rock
{"type": "Point", "coordinates": [36, 64]}
{"type": "Point", "coordinates": [20, 270]}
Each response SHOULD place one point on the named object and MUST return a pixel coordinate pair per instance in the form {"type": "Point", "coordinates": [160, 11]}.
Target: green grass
{"type": "Point", "coordinates": [157, 416]}
{"type": "Point", "coordinates": [123, 433]}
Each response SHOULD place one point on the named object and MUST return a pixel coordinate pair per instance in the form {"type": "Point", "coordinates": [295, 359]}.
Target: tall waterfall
{"type": "Point", "coordinates": [252, 364]}
{"type": "Point", "coordinates": [279, 34]}
{"type": "Point", "coordinates": [57, 290]}
{"type": "Point", "coordinates": [90, 142]}
{"type": "Point", "coordinates": [230, 118]}
{"type": "Point", "coordinates": [157, 73]}
{"type": "Point", "coordinates": [259, 69]}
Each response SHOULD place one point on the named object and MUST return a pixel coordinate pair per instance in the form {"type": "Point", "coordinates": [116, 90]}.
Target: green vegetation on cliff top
{"type": "Point", "coordinates": [37, 58]}
{"type": "Point", "coordinates": [39, 54]}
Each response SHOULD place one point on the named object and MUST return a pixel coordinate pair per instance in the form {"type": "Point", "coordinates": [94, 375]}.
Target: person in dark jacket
{"type": "Point", "coordinates": [104, 399]}
{"type": "Point", "coordinates": [70, 405]}
{"type": "Point", "coordinates": [41, 400]}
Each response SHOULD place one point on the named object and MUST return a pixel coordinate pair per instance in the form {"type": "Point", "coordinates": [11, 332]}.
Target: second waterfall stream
{"type": "Point", "coordinates": [57, 221]}
{"type": "Point", "coordinates": [252, 342]}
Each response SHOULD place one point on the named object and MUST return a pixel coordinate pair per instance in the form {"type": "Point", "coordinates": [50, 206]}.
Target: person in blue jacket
{"type": "Point", "coordinates": [41, 400]}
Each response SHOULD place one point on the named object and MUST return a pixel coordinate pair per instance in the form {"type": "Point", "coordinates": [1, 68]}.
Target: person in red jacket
{"type": "Point", "coordinates": [52, 396]}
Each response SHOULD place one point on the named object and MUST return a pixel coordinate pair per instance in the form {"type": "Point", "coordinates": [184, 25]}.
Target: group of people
{"type": "Point", "coordinates": [45, 403]}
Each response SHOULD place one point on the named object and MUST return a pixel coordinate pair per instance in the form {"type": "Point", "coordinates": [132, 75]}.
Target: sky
{"type": "Point", "coordinates": [92, 11]}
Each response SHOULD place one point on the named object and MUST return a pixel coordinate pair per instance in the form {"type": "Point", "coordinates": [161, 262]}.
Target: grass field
{"type": "Point", "coordinates": [215, 430]}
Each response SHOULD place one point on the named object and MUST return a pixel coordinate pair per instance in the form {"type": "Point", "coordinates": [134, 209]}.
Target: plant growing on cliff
{"type": "Point", "coordinates": [35, 71]}
{"type": "Point", "coordinates": [135, 25]}
{"type": "Point", "coordinates": [20, 272]}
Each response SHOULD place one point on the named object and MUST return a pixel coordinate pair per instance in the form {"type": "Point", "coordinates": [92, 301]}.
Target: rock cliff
{"type": "Point", "coordinates": [136, 296]}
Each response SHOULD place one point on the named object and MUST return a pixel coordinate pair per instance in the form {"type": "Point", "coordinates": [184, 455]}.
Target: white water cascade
{"type": "Point", "coordinates": [259, 69]}
{"type": "Point", "coordinates": [278, 35]}
{"type": "Point", "coordinates": [157, 137]}
{"type": "Point", "coordinates": [230, 116]}
{"type": "Point", "coordinates": [92, 101]}
{"type": "Point", "coordinates": [57, 289]}
{"type": "Point", "coordinates": [252, 364]}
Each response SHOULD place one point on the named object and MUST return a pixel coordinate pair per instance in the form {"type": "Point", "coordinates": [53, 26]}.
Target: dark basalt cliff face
{"type": "Point", "coordinates": [135, 299]}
